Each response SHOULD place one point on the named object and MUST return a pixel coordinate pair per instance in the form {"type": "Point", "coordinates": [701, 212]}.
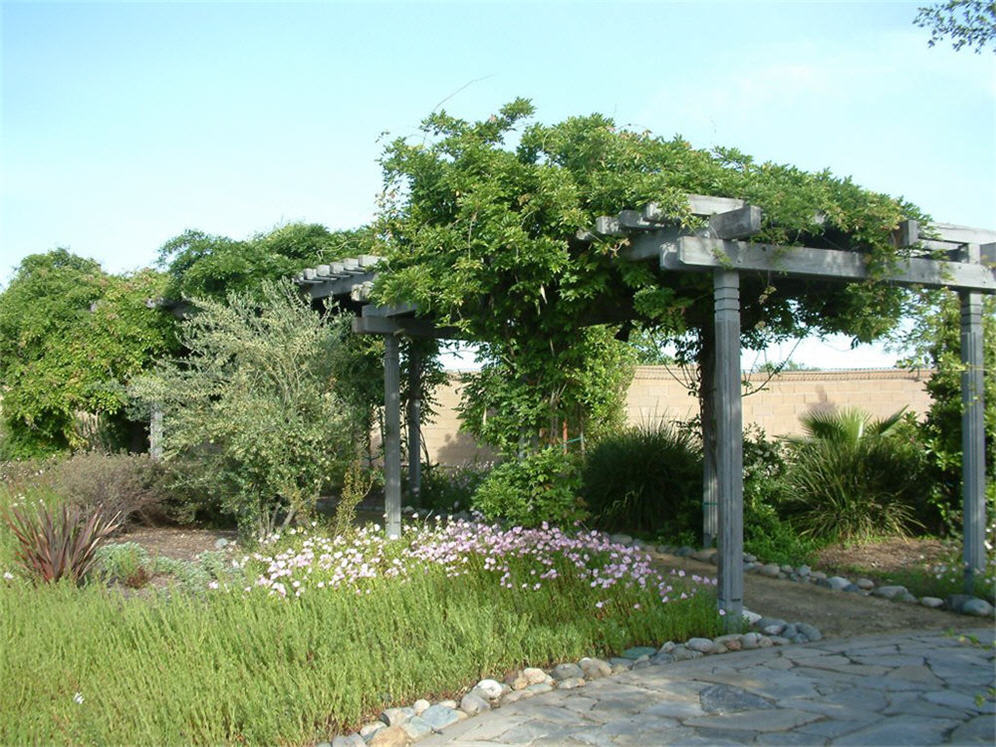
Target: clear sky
{"type": "Point", "coordinates": [124, 124]}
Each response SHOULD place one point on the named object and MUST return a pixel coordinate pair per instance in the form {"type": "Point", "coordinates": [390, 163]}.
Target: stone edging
{"type": "Point", "coordinates": [400, 726]}
{"type": "Point", "coordinates": [964, 604]}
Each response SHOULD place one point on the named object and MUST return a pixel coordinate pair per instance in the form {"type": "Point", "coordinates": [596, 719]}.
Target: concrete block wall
{"type": "Point", "coordinates": [658, 393]}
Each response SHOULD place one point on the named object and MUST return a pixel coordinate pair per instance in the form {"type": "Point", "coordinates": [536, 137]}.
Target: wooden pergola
{"type": "Point", "coordinates": [954, 257]}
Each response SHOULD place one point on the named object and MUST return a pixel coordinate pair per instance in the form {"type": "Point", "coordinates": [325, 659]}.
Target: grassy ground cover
{"type": "Point", "coordinates": [309, 635]}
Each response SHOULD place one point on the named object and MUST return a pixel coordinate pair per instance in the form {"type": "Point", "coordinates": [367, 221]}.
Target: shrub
{"type": "Point", "coordinates": [129, 484]}
{"type": "Point", "coordinates": [541, 487]}
{"type": "Point", "coordinates": [53, 544]}
{"type": "Point", "coordinates": [646, 479]}
{"type": "Point", "coordinates": [447, 489]}
{"type": "Point", "coordinates": [854, 477]}
{"type": "Point", "coordinates": [127, 562]}
{"type": "Point", "coordinates": [253, 413]}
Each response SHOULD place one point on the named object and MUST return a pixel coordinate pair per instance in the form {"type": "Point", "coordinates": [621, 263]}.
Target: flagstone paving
{"type": "Point", "coordinates": [886, 689]}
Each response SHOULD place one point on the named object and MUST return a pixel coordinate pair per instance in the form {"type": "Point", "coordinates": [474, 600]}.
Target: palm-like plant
{"type": "Point", "coordinates": [60, 543]}
{"type": "Point", "coordinates": [853, 476]}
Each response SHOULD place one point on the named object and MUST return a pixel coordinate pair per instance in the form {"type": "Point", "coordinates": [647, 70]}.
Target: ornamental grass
{"type": "Point", "coordinates": [311, 635]}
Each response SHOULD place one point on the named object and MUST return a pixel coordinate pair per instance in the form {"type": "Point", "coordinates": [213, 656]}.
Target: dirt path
{"type": "Point", "coordinates": [835, 613]}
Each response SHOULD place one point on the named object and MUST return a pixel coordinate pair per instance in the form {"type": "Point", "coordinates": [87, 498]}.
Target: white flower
{"type": "Point", "coordinates": [8, 575]}
{"type": "Point", "coordinates": [78, 697]}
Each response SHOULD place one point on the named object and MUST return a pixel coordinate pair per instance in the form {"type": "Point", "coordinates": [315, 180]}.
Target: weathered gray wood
{"type": "Point", "coordinates": [736, 224]}
{"type": "Point", "coordinates": [608, 225]}
{"type": "Point", "coordinates": [987, 254]}
{"type": "Point", "coordinates": [379, 325]}
{"type": "Point", "coordinates": [633, 220]}
{"type": "Point", "coordinates": [399, 310]}
{"type": "Point", "coordinates": [729, 436]}
{"type": "Point", "coordinates": [831, 264]}
{"type": "Point", "coordinates": [414, 429]}
{"type": "Point", "coordinates": [973, 466]}
{"type": "Point", "coordinates": [392, 436]}
{"type": "Point", "coordinates": [650, 245]}
{"type": "Point", "coordinates": [707, 205]}
{"type": "Point", "coordinates": [156, 433]}
{"type": "Point", "coordinates": [908, 233]}
{"type": "Point", "coordinates": [963, 234]}
{"type": "Point", "coordinates": [360, 292]}
{"type": "Point", "coordinates": [340, 287]}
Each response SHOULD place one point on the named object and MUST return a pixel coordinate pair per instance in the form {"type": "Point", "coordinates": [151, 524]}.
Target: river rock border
{"type": "Point", "coordinates": [964, 604]}
{"type": "Point", "coordinates": [401, 726]}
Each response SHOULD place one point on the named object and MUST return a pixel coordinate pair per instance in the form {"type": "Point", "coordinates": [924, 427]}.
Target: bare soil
{"type": "Point", "coordinates": [836, 614]}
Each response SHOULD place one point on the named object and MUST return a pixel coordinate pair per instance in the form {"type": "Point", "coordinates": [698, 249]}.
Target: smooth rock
{"type": "Point", "coordinates": [396, 716]}
{"type": "Point", "coordinates": [771, 570]}
{"type": "Point", "coordinates": [221, 543]}
{"type": "Point", "coordinates": [391, 736]}
{"type": "Point", "coordinates": [680, 653]}
{"type": "Point", "coordinates": [804, 570]}
{"type": "Point", "coordinates": [540, 687]}
{"type": "Point", "coordinates": [534, 675]}
{"type": "Point", "coordinates": [662, 659]}
{"type": "Point", "coordinates": [786, 568]}
{"type": "Point", "coordinates": [417, 728]}
{"type": "Point", "coordinates": [621, 539]}
{"type": "Point", "coordinates": [865, 584]}
{"type": "Point", "coordinates": [618, 663]}
{"type": "Point", "coordinates": [703, 645]}
{"type": "Point", "coordinates": [571, 683]}
{"type": "Point", "coordinates": [517, 681]}
{"type": "Point", "coordinates": [420, 706]}
{"type": "Point", "coordinates": [811, 632]}
{"type": "Point", "coordinates": [777, 640]}
{"type": "Point", "coordinates": [472, 704]}
{"type": "Point", "coordinates": [750, 617]}
{"type": "Point", "coordinates": [838, 583]}
{"type": "Point", "coordinates": [439, 717]}
{"type": "Point", "coordinates": [977, 607]}
{"type": "Point", "coordinates": [749, 640]}
{"type": "Point", "coordinates": [748, 558]}
{"type": "Point", "coordinates": [773, 629]}
{"type": "Point", "coordinates": [853, 588]}
{"type": "Point", "coordinates": [889, 592]}
{"type": "Point", "coordinates": [567, 671]}
{"type": "Point", "coordinates": [637, 651]}
{"type": "Point", "coordinates": [513, 697]}
{"type": "Point", "coordinates": [932, 602]}
{"type": "Point", "coordinates": [818, 575]}
{"type": "Point", "coordinates": [490, 689]}
{"type": "Point", "coordinates": [448, 704]}
{"type": "Point", "coordinates": [371, 727]}
{"type": "Point", "coordinates": [684, 552]}
{"type": "Point", "coordinates": [595, 668]}
{"type": "Point", "coordinates": [730, 642]}
{"type": "Point", "coordinates": [668, 647]}
{"type": "Point", "coordinates": [704, 556]}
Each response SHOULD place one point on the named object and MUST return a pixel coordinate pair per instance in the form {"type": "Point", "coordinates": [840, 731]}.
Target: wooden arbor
{"type": "Point", "coordinates": [719, 249]}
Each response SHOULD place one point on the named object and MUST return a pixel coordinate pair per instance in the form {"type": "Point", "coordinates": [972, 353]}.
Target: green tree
{"type": "Point", "coordinates": [71, 338]}
{"type": "Point", "coordinates": [485, 236]}
{"type": "Point", "coordinates": [253, 412]}
{"type": "Point", "coordinates": [964, 22]}
{"type": "Point", "coordinates": [935, 343]}
{"type": "Point", "coordinates": [201, 265]}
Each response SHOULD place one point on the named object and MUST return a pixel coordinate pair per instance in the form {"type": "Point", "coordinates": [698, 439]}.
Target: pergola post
{"type": "Point", "coordinates": [156, 433]}
{"type": "Point", "coordinates": [392, 436]}
{"type": "Point", "coordinates": [414, 417]}
{"type": "Point", "coordinates": [973, 466]}
{"type": "Point", "coordinates": [729, 437]}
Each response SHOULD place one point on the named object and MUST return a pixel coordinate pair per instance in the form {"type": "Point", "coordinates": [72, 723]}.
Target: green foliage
{"type": "Point", "coordinates": [252, 415]}
{"type": "Point", "coordinates": [355, 486]}
{"type": "Point", "coordinates": [55, 544]}
{"type": "Point", "coordinates": [126, 562]}
{"type": "Point", "coordinates": [540, 487]}
{"type": "Point", "coordinates": [485, 237]}
{"type": "Point", "coordinates": [964, 22]}
{"type": "Point", "coordinates": [766, 533]}
{"type": "Point", "coordinates": [934, 341]}
{"type": "Point", "coordinates": [71, 338]}
{"type": "Point", "coordinates": [855, 477]}
{"type": "Point", "coordinates": [646, 479]}
{"type": "Point", "coordinates": [446, 489]}
{"type": "Point", "coordinates": [200, 265]}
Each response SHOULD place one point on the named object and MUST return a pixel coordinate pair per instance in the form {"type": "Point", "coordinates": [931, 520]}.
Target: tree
{"type": "Point", "coordinates": [254, 411]}
{"type": "Point", "coordinates": [201, 265]}
{"type": "Point", "coordinates": [965, 22]}
{"type": "Point", "coordinates": [71, 338]}
{"type": "Point", "coordinates": [486, 237]}
{"type": "Point", "coordinates": [934, 342]}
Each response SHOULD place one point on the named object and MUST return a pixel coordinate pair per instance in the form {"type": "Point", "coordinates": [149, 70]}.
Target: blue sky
{"type": "Point", "coordinates": [124, 124]}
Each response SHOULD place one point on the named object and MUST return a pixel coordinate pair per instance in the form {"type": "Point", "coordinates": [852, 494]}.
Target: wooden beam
{"type": "Point", "coordinates": [973, 464]}
{"type": "Point", "coordinates": [963, 234]}
{"type": "Point", "coordinates": [414, 417]}
{"type": "Point", "coordinates": [403, 326]}
{"type": "Point", "coordinates": [392, 437]}
{"type": "Point", "coordinates": [736, 224]}
{"type": "Point", "coordinates": [339, 287]}
{"type": "Point", "coordinates": [830, 264]}
{"type": "Point", "coordinates": [729, 438]}
{"type": "Point", "coordinates": [399, 310]}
